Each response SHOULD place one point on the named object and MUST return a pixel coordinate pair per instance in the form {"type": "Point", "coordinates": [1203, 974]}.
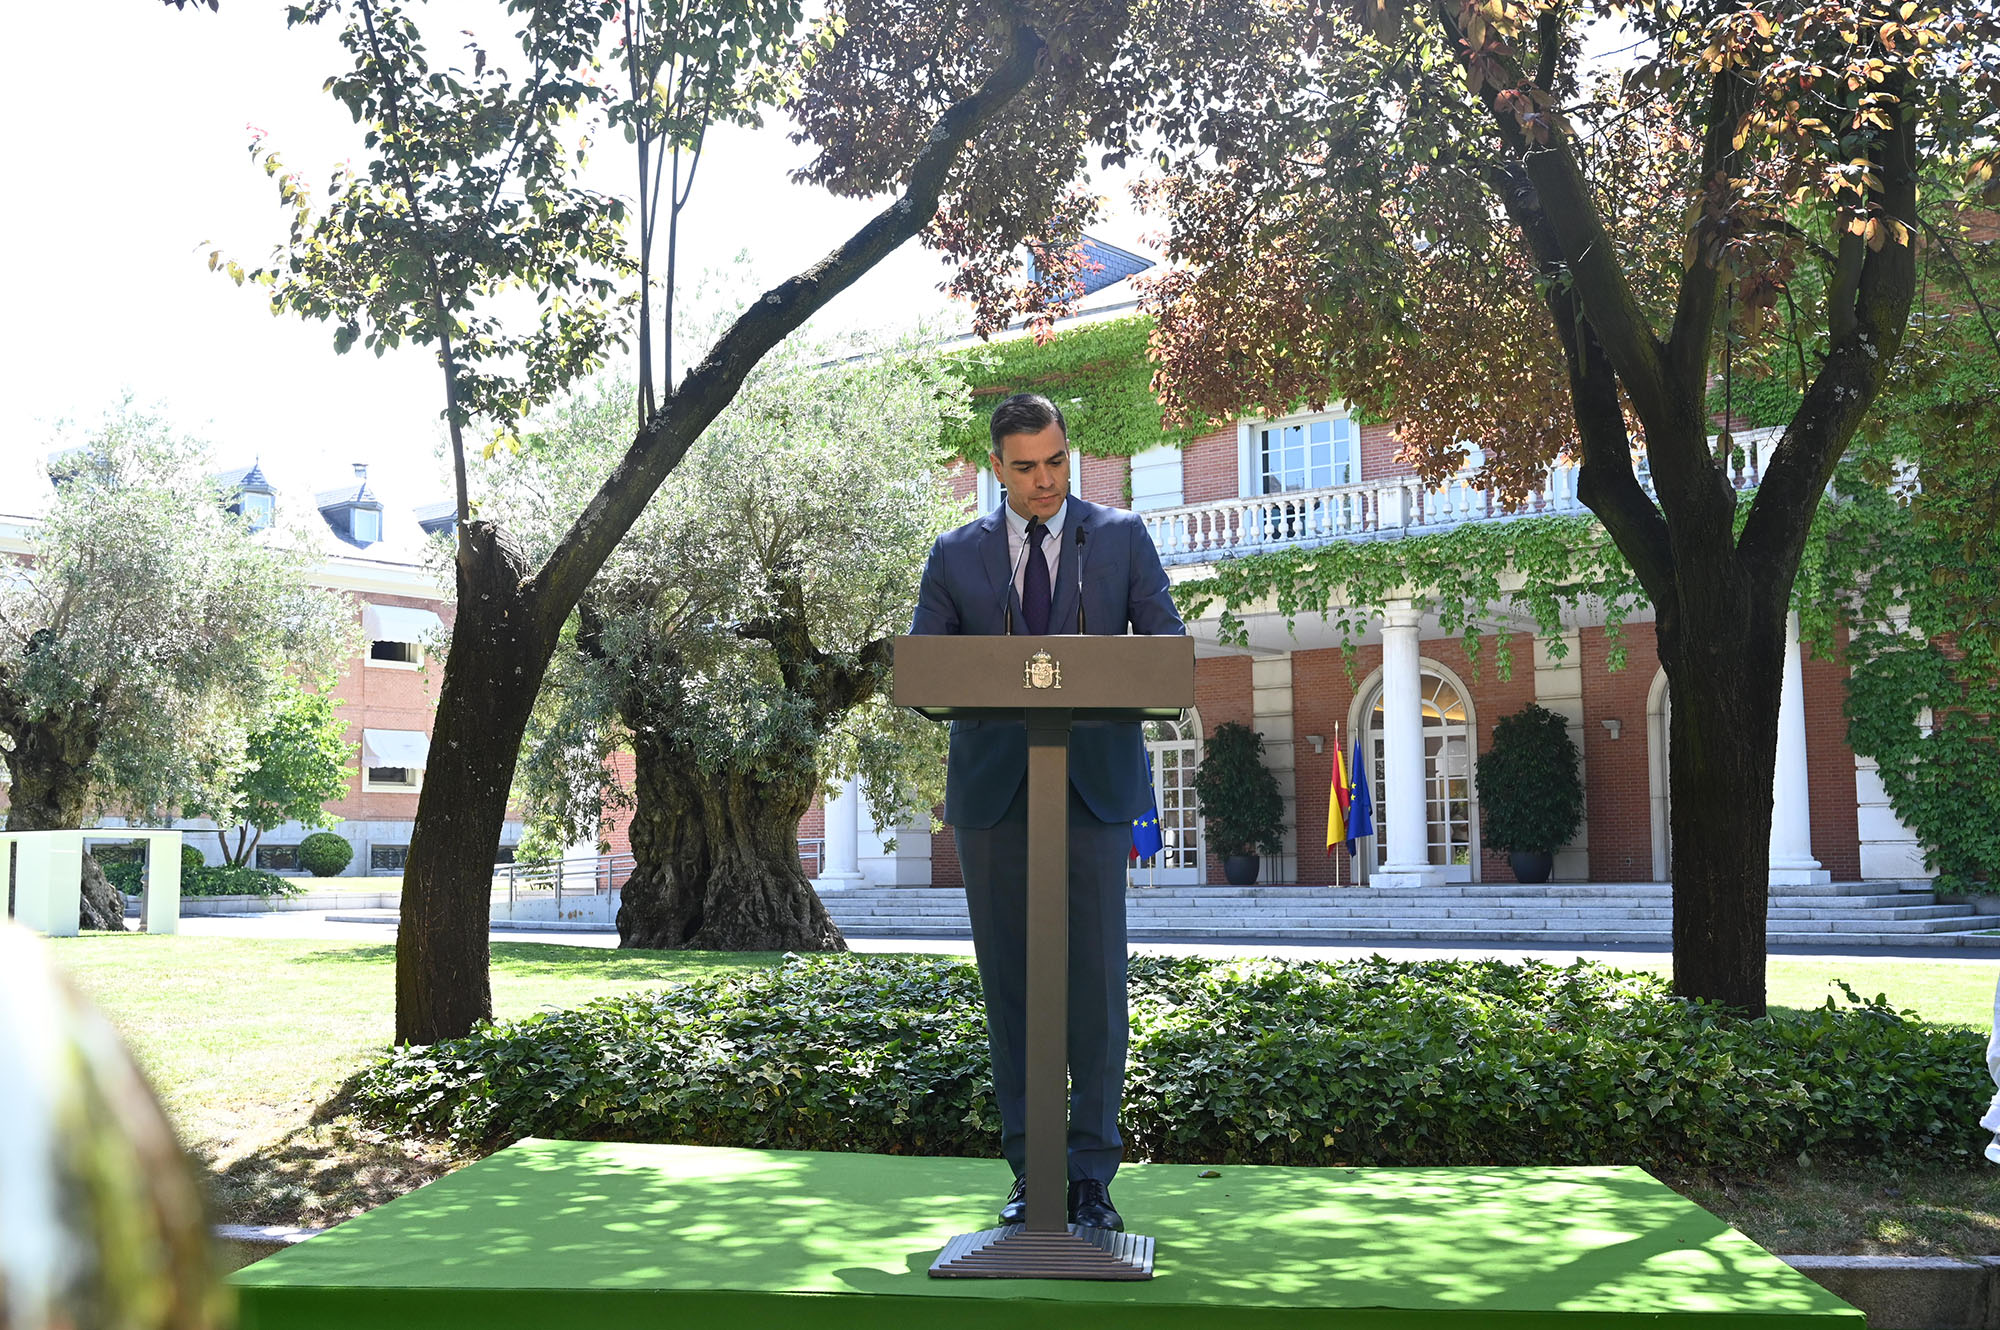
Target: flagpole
{"type": "Point", "coordinates": [1334, 782]}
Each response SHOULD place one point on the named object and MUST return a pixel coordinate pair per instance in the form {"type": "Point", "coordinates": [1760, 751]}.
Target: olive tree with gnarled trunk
{"type": "Point", "coordinates": [146, 636]}
{"type": "Point", "coordinates": [738, 643]}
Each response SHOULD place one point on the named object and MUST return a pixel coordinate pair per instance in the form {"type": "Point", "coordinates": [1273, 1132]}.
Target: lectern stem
{"type": "Point", "coordinates": [1048, 971]}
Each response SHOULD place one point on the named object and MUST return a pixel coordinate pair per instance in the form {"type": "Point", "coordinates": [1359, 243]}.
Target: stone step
{"type": "Point", "coordinates": [1807, 920]}
{"type": "Point", "coordinates": [1537, 937]}
{"type": "Point", "coordinates": [1824, 915]}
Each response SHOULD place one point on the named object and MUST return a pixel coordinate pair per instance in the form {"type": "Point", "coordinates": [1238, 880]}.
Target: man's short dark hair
{"type": "Point", "coordinates": [1025, 413]}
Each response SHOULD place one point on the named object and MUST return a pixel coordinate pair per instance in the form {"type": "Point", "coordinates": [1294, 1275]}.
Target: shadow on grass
{"type": "Point", "coordinates": [316, 1175]}
{"type": "Point", "coordinates": [546, 959]}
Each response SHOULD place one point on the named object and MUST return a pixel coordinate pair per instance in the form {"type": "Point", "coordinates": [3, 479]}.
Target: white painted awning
{"type": "Point", "coordinates": [398, 623]}
{"type": "Point", "coordinates": [395, 748]}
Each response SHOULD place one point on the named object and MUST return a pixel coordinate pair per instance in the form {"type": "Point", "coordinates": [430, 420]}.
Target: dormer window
{"type": "Point", "coordinates": [250, 496]}
{"type": "Point", "coordinates": [353, 512]}
{"type": "Point", "coordinates": [260, 510]}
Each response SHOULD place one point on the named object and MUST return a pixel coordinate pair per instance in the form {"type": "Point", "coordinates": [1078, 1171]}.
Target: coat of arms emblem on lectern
{"type": "Point", "coordinates": [1041, 671]}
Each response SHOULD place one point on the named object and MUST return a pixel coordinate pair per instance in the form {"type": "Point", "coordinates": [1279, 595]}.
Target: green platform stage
{"type": "Point", "coordinates": [610, 1236]}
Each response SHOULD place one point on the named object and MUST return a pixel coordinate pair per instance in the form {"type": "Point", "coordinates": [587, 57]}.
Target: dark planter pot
{"type": "Point", "coordinates": [1240, 869]}
{"type": "Point", "coordinates": [1531, 866]}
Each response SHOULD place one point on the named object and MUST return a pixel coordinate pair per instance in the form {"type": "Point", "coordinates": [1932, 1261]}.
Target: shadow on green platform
{"type": "Point", "coordinates": [608, 1236]}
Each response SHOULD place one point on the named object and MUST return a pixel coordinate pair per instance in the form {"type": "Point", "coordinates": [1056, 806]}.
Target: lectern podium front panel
{"type": "Point", "coordinates": [1091, 677]}
{"type": "Point", "coordinates": [1046, 683]}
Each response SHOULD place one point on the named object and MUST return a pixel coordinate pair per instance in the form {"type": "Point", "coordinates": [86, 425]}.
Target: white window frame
{"type": "Point", "coordinates": [1249, 444]}
{"type": "Point", "coordinates": [416, 650]}
{"type": "Point", "coordinates": [372, 786]}
{"type": "Point", "coordinates": [1161, 462]}
{"type": "Point", "coordinates": [989, 484]}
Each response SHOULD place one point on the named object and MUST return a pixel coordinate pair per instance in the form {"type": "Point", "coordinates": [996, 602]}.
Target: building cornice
{"type": "Point", "coordinates": [380, 577]}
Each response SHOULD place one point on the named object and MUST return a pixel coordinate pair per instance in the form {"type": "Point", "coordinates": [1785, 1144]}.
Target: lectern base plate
{"type": "Point", "coordinates": [1012, 1252]}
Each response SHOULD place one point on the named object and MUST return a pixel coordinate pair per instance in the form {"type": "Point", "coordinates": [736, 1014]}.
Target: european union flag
{"type": "Point", "coordinates": [1146, 835]}
{"type": "Point", "coordinates": [1361, 813]}
{"type": "Point", "coordinates": [1146, 829]}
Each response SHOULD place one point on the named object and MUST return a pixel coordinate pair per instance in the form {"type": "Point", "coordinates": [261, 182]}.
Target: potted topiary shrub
{"type": "Point", "coordinates": [1530, 796]}
{"type": "Point", "coordinates": [1239, 801]}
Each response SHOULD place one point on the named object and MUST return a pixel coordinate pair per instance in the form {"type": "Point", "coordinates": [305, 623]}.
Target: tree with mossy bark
{"type": "Point", "coordinates": [972, 115]}
{"type": "Point", "coordinates": [738, 643]}
{"type": "Point", "coordinates": [147, 633]}
{"type": "Point", "coordinates": [1444, 214]}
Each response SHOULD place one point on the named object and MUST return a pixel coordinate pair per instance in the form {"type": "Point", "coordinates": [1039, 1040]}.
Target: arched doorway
{"type": "Point", "coordinates": [1448, 792]}
{"type": "Point", "coordinates": [1174, 747]}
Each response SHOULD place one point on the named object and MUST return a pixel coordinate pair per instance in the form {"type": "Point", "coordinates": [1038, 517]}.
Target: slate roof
{"type": "Point", "coordinates": [1118, 264]}
{"type": "Point", "coordinates": [1114, 265]}
{"type": "Point", "coordinates": [355, 491]}
{"type": "Point", "coordinates": [250, 477]}
{"type": "Point", "coordinates": [436, 517]}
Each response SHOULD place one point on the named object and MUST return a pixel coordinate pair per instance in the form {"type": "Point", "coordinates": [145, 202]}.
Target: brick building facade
{"type": "Point", "coordinates": [387, 693]}
{"type": "Point", "coordinates": [1300, 689]}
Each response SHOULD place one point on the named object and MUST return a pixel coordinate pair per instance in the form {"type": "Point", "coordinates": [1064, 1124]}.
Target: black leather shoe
{"type": "Point", "coordinates": [1090, 1205]}
{"type": "Point", "coordinates": [1015, 1211]}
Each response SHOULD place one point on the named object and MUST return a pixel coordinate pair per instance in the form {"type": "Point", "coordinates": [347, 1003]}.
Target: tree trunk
{"type": "Point", "coordinates": [716, 858]}
{"type": "Point", "coordinates": [49, 766]}
{"type": "Point", "coordinates": [495, 666]}
{"type": "Point", "coordinates": [1724, 655]}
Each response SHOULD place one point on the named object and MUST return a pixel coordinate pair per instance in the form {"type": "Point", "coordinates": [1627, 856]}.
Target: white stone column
{"type": "Point", "coordinates": [839, 868]}
{"type": "Point", "coordinates": [1408, 861]}
{"type": "Point", "coordinates": [1559, 688]}
{"type": "Point", "coordinates": [892, 856]}
{"type": "Point", "coordinates": [1792, 862]}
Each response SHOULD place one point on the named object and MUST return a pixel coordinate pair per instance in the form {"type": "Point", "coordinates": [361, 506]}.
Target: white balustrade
{"type": "Point", "coordinates": [1223, 528]}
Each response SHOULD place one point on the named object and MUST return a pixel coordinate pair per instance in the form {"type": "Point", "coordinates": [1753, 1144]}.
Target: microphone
{"type": "Point", "coordinates": [1015, 572]}
{"type": "Point", "coordinates": [1079, 580]}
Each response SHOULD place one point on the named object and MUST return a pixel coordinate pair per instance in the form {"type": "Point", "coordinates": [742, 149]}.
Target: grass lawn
{"type": "Point", "coordinates": [246, 1039]}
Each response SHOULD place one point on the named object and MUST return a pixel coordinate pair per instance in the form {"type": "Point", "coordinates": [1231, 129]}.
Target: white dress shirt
{"type": "Point", "coordinates": [1017, 540]}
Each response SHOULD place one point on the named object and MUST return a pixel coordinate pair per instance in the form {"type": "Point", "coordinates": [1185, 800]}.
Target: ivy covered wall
{"type": "Point", "coordinates": [1098, 374]}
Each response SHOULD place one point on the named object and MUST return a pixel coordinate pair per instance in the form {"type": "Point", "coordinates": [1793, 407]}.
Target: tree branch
{"type": "Point", "coordinates": [1606, 484]}
{"type": "Point", "coordinates": [712, 384]}
{"type": "Point", "coordinates": [1875, 315]}
{"type": "Point", "coordinates": [1701, 280]}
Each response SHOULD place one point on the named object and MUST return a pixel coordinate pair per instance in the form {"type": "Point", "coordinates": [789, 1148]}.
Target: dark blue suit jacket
{"type": "Point", "coordinates": [967, 588]}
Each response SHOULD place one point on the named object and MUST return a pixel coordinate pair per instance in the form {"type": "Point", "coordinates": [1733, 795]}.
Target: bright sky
{"type": "Point", "coordinates": [130, 164]}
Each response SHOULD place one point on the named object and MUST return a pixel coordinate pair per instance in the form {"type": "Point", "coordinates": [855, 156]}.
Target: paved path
{"type": "Point", "coordinates": [315, 924]}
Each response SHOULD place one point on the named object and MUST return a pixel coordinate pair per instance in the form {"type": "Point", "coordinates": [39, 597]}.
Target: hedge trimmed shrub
{"type": "Point", "coordinates": [201, 880]}
{"type": "Point", "coordinates": [1364, 1062]}
{"type": "Point", "coordinates": [324, 854]}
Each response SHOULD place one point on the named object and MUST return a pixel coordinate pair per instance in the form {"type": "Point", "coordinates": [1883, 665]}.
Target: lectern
{"type": "Point", "coordinates": [1048, 682]}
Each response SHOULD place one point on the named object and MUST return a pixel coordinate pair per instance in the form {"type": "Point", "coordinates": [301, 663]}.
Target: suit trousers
{"type": "Point", "coordinates": [994, 861]}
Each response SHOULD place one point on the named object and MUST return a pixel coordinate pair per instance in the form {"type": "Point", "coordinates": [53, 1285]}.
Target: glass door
{"type": "Point", "coordinates": [1174, 750]}
{"type": "Point", "coordinates": [1447, 779]}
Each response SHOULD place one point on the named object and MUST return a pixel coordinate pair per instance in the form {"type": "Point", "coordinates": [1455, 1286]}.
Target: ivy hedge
{"type": "Point", "coordinates": [1313, 1063]}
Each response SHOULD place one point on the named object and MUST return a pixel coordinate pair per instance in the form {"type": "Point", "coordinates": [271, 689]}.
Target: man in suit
{"type": "Point", "coordinates": [1046, 562]}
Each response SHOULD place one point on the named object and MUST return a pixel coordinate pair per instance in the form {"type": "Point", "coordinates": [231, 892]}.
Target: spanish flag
{"type": "Point", "coordinates": [1338, 797]}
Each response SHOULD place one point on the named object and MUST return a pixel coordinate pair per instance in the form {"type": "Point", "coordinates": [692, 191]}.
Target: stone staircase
{"type": "Point", "coordinates": [1832, 916]}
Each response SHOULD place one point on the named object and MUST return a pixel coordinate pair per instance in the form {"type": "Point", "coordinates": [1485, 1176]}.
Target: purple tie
{"type": "Point", "coordinates": [1035, 584]}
